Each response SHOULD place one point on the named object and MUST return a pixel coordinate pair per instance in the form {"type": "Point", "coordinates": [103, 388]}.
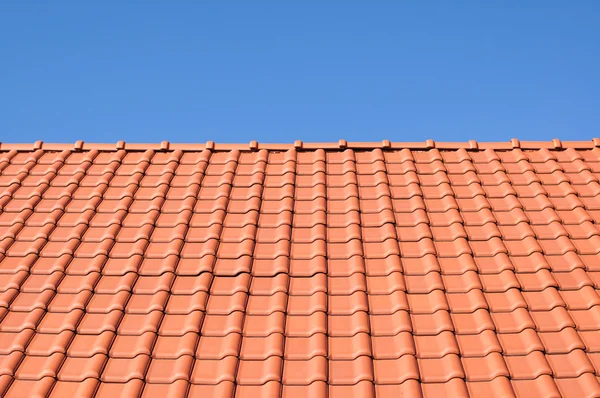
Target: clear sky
{"type": "Point", "coordinates": [277, 71]}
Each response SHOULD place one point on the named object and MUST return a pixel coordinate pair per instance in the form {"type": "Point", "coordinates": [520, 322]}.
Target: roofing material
{"type": "Point", "coordinates": [348, 269]}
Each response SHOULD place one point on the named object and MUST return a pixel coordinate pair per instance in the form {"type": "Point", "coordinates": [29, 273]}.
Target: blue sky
{"type": "Point", "coordinates": [276, 71]}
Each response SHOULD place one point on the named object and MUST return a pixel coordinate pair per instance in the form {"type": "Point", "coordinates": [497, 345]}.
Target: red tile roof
{"type": "Point", "coordinates": [349, 269]}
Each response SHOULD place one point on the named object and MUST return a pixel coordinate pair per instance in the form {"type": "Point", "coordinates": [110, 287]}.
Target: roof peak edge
{"type": "Point", "coordinates": [300, 145]}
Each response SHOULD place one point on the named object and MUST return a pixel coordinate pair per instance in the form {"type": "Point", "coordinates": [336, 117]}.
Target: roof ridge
{"type": "Point", "coordinates": [300, 145]}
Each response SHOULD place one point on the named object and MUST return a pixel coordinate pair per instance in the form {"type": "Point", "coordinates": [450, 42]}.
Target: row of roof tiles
{"type": "Point", "coordinates": [315, 252]}
{"type": "Point", "coordinates": [254, 346]}
{"type": "Point", "coordinates": [577, 222]}
{"type": "Point", "coordinates": [180, 321]}
{"type": "Point", "coordinates": [180, 229]}
{"type": "Point", "coordinates": [465, 170]}
{"type": "Point", "coordinates": [141, 186]}
{"type": "Point", "coordinates": [587, 385]}
{"type": "Point", "coordinates": [417, 303]}
{"type": "Point", "coordinates": [341, 144]}
{"type": "Point", "coordinates": [33, 199]}
{"type": "Point", "coordinates": [299, 372]}
{"type": "Point", "coordinates": [410, 266]}
{"type": "Point", "coordinates": [459, 173]}
{"type": "Point", "coordinates": [299, 286]}
{"type": "Point", "coordinates": [243, 200]}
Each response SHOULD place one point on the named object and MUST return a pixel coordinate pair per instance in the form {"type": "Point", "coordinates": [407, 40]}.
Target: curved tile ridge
{"type": "Point", "coordinates": [299, 145]}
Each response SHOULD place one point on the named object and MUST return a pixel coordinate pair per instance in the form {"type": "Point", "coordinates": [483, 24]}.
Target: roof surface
{"type": "Point", "coordinates": [302, 270]}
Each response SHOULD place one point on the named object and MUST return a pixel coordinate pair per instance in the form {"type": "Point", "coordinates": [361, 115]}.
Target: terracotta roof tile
{"type": "Point", "coordinates": [585, 385]}
{"type": "Point", "coordinates": [497, 387]}
{"type": "Point", "coordinates": [305, 347]}
{"type": "Point", "coordinates": [352, 269]}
